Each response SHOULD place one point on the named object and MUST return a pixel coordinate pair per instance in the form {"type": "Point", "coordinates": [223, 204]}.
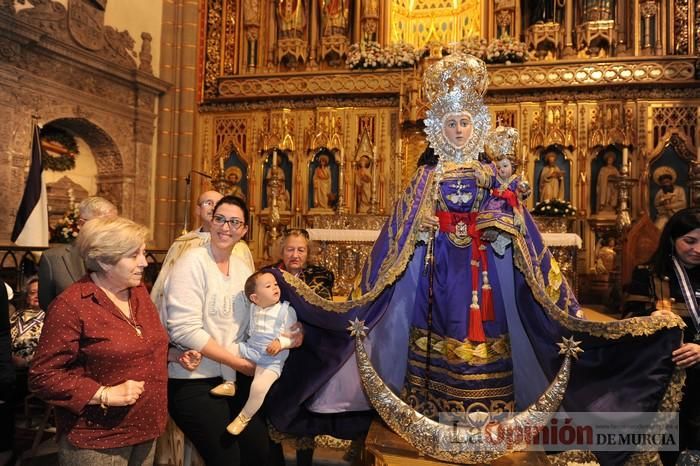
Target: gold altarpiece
{"type": "Point", "coordinates": [268, 84]}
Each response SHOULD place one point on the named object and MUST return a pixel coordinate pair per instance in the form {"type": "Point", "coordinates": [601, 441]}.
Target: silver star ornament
{"type": "Point", "coordinates": [357, 328]}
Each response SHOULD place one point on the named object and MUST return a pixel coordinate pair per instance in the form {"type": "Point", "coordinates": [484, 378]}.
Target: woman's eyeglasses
{"type": "Point", "coordinates": [234, 223]}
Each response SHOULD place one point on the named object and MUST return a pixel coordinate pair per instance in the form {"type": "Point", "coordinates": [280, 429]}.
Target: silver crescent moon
{"type": "Point", "coordinates": [460, 444]}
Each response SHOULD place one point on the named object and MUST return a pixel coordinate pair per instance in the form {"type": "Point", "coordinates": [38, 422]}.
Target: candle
{"type": "Point", "coordinates": [625, 156]}
{"type": "Point", "coordinates": [221, 163]}
{"type": "Point", "coordinates": [274, 158]}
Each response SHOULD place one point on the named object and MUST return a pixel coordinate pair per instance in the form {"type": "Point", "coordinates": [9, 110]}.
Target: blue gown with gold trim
{"type": "Point", "coordinates": [626, 365]}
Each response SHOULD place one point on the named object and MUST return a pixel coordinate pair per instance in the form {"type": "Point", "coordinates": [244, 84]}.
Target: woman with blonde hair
{"type": "Point", "coordinates": [102, 356]}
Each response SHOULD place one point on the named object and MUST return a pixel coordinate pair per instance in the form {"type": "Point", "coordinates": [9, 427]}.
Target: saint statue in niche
{"type": "Point", "coordinates": [363, 185]}
{"type": "Point", "coordinates": [334, 17]}
{"type": "Point", "coordinates": [291, 16]}
{"type": "Point", "coordinates": [551, 184]}
{"type": "Point", "coordinates": [606, 193]}
{"type": "Point", "coordinates": [322, 183]}
{"type": "Point", "coordinates": [670, 198]}
{"type": "Point", "coordinates": [234, 175]}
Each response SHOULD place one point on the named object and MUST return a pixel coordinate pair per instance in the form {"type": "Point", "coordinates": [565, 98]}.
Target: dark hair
{"type": "Point", "coordinates": [428, 157]}
{"type": "Point", "coordinates": [234, 200]}
{"type": "Point", "coordinates": [252, 281]}
{"type": "Point", "coordinates": [679, 224]}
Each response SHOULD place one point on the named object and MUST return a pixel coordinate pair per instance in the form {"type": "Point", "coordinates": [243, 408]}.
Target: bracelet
{"type": "Point", "coordinates": [103, 399]}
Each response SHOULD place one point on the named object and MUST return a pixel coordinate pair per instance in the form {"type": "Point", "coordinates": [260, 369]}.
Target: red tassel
{"type": "Point", "coordinates": [476, 328]}
{"type": "Point", "coordinates": [487, 303]}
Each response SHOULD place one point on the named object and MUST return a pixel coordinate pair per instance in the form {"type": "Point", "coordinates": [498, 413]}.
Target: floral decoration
{"type": "Point", "coordinates": [66, 229]}
{"type": "Point", "coordinates": [554, 208]}
{"type": "Point", "coordinates": [473, 46]}
{"type": "Point", "coordinates": [371, 55]}
{"type": "Point", "coordinates": [506, 51]}
{"type": "Point", "coordinates": [62, 148]}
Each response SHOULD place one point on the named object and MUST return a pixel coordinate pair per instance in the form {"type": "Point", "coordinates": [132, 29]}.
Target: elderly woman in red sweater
{"type": "Point", "coordinates": [101, 360]}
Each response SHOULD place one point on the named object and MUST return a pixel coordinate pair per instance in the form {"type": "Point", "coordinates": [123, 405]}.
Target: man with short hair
{"type": "Point", "coordinates": [195, 238]}
{"type": "Point", "coordinates": [62, 265]}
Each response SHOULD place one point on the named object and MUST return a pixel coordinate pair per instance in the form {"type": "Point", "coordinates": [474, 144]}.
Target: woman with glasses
{"type": "Point", "coordinates": [206, 309]}
{"type": "Point", "coordinates": [294, 251]}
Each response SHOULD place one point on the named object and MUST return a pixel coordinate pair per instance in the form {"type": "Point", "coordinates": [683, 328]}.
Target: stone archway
{"type": "Point", "coordinates": [108, 158]}
{"type": "Point", "coordinates": [103, 95]}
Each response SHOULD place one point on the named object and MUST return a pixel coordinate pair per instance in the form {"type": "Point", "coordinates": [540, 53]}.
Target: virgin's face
{"type": "Point", "coordinates": [688, 248]}
{"type": "Point", "coordinates": [458, 128]}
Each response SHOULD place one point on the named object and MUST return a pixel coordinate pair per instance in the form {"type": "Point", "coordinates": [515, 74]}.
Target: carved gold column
{"type": "Point", "coordinates": [623, 183]}
{"type": "Point", "coordinates": [251, 25]}
{"type": "Point", "coordinates": [373, 197]}
{"type": "Point", "coordinates": [342, 208]}
{"type": "Point", "coordinates": [273, 224]}
{"type": "Point", "coordinates": [621, 26]}
{"type": "Point", "coordinates": [569, 49]}
{"type": "Point", "coordinates": [314, 58]}
{"type": "Point", "coordinates": [649, 10]}
{"type": "Point", "coordinates": [271, 35]}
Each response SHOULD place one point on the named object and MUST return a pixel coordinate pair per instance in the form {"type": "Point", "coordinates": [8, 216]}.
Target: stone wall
{"type": "Point", "coordinates": [75, 72]}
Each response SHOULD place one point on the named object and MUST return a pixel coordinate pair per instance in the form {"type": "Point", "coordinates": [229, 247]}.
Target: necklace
{"type": "Point", "coordinates": [132, 321]}
{"type": "Point", "coordinates": [128, 319]}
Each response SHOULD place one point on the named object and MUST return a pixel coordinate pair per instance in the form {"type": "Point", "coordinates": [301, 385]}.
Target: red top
{"type": "Point", "coordinates": [86, 342]}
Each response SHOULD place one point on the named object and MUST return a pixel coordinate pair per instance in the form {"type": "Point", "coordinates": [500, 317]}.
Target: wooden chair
{"type": "Point", "coordinates": [40, 447]}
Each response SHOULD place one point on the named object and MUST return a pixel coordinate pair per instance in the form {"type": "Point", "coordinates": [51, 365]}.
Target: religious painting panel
{"type": "Point", "coordinates": [236, 172]}
{"type": "Point", "coordinates": [667, 185]}
{"type": "Point", "coordinates": [604, 166]}
{"type": "Point", "coordinates": [552, 175]}
{"type": "Point", "coordinates": [324, 174]}
{"type": "Point", "coordinates": [278, 169]}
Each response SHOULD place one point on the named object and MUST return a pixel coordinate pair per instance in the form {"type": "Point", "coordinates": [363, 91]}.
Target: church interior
{"type": "Point", "coordinates": [312, 112]}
